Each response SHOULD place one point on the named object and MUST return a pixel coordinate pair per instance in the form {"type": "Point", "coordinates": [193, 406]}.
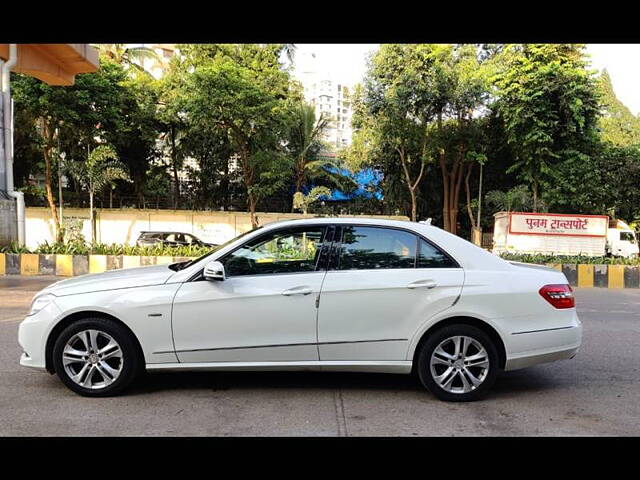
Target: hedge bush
{"type": "Point", "coordinates": [77, 248]}
{"type": "Point", "coordinates": [542, 259]}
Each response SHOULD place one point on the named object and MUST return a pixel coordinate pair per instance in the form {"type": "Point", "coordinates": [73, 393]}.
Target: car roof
{"type": "Point", "coordinates": [466, 253]}
{"type": "Point", "coordinates": [340, 220]}
{"type": "Point", "coordinates": [164, 231]}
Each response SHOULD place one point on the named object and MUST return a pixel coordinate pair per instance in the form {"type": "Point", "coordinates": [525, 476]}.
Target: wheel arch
{"type": "Point", "coordinates": [464, 320]}
{"type": "Point", "coordinates": [74, 317]}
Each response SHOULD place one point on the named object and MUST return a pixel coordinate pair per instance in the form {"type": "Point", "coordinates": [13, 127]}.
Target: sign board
{"type": "Point", "coordinates": [558, 224]}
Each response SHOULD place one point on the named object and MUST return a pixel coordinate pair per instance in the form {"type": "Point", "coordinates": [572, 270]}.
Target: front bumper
{"type": "Point", "coordinates": [32, 336]}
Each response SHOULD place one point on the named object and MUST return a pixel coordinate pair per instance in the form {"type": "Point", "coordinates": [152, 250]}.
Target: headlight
{"type": "Point", "coordinates": [40, 302]}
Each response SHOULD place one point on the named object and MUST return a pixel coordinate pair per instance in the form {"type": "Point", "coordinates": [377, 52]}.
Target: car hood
{"type": "Point", "coordinates": [111, 280]}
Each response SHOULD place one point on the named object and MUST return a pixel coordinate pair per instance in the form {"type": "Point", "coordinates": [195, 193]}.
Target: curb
{"type": "Point", "coordinates": [580, 275]}
{"type": "Point", "coordinates": [600, 276]}
{"type": "Point", "coordinates": [75, 265]}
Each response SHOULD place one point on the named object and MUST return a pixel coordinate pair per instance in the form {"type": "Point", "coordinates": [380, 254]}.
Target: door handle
{"type": "Point", "coordinates": [423, 284]}
{"type": "Point", "coordinates": [304, 290]}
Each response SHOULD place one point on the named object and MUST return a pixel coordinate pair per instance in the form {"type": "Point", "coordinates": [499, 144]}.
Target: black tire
{"type": "Point", "coordinates": [436, 338]}
{"type": "Point", "coordinates": [132, 363]}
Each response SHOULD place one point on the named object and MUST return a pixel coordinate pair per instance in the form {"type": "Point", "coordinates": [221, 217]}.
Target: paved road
{"type": "Point", "coordinates": [596, 393]}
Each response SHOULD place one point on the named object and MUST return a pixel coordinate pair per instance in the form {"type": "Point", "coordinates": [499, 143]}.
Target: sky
{"type": "Point", "coordinates": [346, 63]}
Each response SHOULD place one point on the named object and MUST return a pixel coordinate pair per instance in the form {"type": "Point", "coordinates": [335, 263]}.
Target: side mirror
{"type": "Point", "coordinates": [214, 270]}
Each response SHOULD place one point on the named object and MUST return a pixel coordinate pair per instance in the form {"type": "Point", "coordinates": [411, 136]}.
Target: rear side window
{"type": "Point", "coordinates": [366, 248]}
{"type": "Point", "coordinates": [430, 256]}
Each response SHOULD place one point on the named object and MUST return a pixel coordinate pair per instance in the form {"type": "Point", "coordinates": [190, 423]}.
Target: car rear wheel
{"type": "Point", "coordinates": [96, 357]}
{"type": "Point", "coordinates": [458, 363]}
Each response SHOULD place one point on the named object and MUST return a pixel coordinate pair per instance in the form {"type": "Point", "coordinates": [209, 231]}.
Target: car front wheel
{"type": "Point", "coordinates": [96, 357]}
{"type": "Point", "coordinates": [458, 363]}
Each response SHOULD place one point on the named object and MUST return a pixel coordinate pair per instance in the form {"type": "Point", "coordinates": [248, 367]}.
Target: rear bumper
{"type": "Point", "coordinates": [550, 345]}
{"type": "Point", "coordinates": [535, 359]}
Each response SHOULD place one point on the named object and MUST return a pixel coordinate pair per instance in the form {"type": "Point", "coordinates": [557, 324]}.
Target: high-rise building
{"type": "Point", "coordinates": [330, 97]}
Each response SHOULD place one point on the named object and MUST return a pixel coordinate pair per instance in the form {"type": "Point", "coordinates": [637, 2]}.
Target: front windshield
{"type": "Point", "coordinates": [188, 263]}
{"type": "Point", "coordinates": [627, 237]}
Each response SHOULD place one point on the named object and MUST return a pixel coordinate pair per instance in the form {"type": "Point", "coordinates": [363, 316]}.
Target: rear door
{"type": "Point", "coordinates": [381, 285]}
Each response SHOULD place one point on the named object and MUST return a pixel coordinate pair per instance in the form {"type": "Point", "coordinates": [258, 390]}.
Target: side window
{"type": "Point", "coordinates": [431, 257]}
{"type": "Point", "coordinates": [366, 248]}
{"type": "Point", "coordinates": [288, 251]}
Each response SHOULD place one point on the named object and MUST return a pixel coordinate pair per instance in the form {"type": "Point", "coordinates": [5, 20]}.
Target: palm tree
{"type": "Point", "coordinates": [302, 201]}
{"type": "Point", "coordinates": [305, 143]}
{"type": "Point", "coordinates": [517, 199]}
{"type": "Point", "coordinates": [290, 51]}
{"type": "Point", "coordinates": [101, 170]}
{"type": "Point", "coordinates": [127, 55]}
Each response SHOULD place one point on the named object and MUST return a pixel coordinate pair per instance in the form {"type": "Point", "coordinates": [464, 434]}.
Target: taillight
{"type": "Point", "coordinates": [560, 296]}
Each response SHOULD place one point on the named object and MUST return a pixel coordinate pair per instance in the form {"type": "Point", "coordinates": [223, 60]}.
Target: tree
{"type": "Point", "coordinates": [617, 124]}
{"type": "Point", "coordinates": [388, 131]}
{"type": "Point", "coordinates": [463, 86]}
{"type": "Point", "coordinates": [517, 199]}
{"type": "Point", "coordinates": [419, 104]}
{"type": "Point", "coordinates": [548, 102]}
{"type": "Point", "coordinates": [172, 121]}
{"type": "Point", "coordinates": [101, 169]}
{"type": "Point", "coordinates": [135, 135]}
{"type": "Point", "coordinates": [304, 140]}
{"type": "Point", "coordinates": [66, 115]}
{"type": "Point", "coordinates": [242, 90]}
{"type": "Point", "coordinates": [302, 201]}
{"type": "Point", "coordinates": [128, 56]}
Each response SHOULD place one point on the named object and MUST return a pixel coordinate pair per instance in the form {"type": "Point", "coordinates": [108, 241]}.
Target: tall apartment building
{"type": "Point", "coordinates": [331, 98]}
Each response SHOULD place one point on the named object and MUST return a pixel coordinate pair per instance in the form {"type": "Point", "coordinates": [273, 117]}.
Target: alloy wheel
{"type": "Point", "coordinates": [459, 364]}
{"type": "Point", "coordinates": [92, 359]}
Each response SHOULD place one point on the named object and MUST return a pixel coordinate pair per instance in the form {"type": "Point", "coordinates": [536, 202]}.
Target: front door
{"type": "Point", "coordinates": [382, 284]}
{"type": "Point", "coordinates": [264, 311]}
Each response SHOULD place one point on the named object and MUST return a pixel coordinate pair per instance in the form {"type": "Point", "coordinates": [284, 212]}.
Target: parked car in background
{"type": "Point", "coordinates": [329, 294]}
{"type": "Point", "coordinates": [171, 239]}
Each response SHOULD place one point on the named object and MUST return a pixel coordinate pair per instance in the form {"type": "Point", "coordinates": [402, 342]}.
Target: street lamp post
{"type": "Point", "coordinates": [60, 160]}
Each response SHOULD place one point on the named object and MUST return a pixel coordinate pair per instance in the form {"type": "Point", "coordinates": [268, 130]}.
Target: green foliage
{"type": "Point", "coordinates": [425, 116]}
{"type": "Point", "coordinates": [419, 106]}
{"type": "Point", "coordinates": [572, 260]}
{"type": "Point", "coordinates": [242, 92]}
{"type": "Point", "coordinates": [13, 247]}
{"type": "Point", "coordinates": [79, 248]}
{"type": "Point", "coordinates": [617, 124]}
{"type": "Point", "coordinates": [548, 101]}
{"type": "Point", "coordinates": [304, 145]}
{"type": "Point", "coordinates": [100, 170]}
{"type": "Point", "coordinates": [517, 199]}
{"type": "Point", "coordinates": [128, 56]}
{"type": "Point", "coordinates": [302, 201]}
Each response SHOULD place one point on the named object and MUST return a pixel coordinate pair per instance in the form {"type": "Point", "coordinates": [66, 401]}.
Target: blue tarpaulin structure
{"type": "Point", "coordinates": [368, 183]}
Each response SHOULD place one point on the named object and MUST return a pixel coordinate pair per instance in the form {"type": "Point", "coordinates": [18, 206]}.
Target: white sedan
{"type": "Point", "coordinates": [330, 294]}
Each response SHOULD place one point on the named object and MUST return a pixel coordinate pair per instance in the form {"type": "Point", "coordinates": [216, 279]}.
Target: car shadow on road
{"type": "Point", "coordinates": [526, 381]}
{"type": "Point", "coordinates": [508, 384]}
{"type": "Point", "coordinates": [216, 381]}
